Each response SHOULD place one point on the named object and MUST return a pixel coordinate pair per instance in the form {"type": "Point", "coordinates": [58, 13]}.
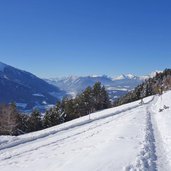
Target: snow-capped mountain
{"type": "Point", "coordinates": [123, 77]}
{"type": "Point", "coordinates": [116, 86]}
{"type": "Point", "coordinates": [26, 89]}
{"type": "Point", "coordinates": [29, 91]}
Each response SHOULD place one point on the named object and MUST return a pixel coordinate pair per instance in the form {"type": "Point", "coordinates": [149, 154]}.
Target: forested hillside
{"type": "Point", "coordinates": [12, 122]}
{"type": "Point", "coordinates": [156, 85]}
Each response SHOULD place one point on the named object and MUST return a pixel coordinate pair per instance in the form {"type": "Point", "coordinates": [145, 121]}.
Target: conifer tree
{"type": "Point", "coordinates": [70, 112]}
{"type": "Point", "coordinates": [35, 122]}
{"type": "Point", "coordinates": [88, 100]}
{"type": "Point", "coordinates": [105, 98]}
{"type": "Point", "coordinates": [97, 96]}
{"type": "Point", "coordinates": [53, 116]}
{"type": "Point", "coordinates": [47, 119]}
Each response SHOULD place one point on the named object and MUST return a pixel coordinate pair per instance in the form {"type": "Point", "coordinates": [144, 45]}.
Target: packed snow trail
{"type": "Point", "coordinates": [146, 160]}
{"type": "Point", "coordinates": [162, 130]}
{"type": "Point", "coordinates": [117, 139]}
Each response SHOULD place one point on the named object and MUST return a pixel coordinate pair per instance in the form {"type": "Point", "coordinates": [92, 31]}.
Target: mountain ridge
{"type": "Point", "coordinates": [30, 91]}
{"type": "Point", "coordinates": [116, 86]}
{"type": "Point", "coordinates": [26, 89]}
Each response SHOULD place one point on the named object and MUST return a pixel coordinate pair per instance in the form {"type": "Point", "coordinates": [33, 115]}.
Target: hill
{"type": "Point", "coordinates": [156, 85]}
{"type": "Point", "coordinates": [26, 89]}
{"type": "Point", "coordinates": [140, 132]}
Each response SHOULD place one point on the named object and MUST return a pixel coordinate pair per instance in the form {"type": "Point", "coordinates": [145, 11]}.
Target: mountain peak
{"type": "Point", "coordinates": [120, 77]}
{"type": "Point", "coordinates": [123, 76]}
{"type": "Point", "coordinates": [130, 76]}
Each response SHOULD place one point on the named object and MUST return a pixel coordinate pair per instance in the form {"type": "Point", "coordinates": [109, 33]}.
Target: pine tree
{"type": "Point", "coordinates": [54, 116]}
{"type": "Point", "coordinates": [88, 100]}
{"type": "Point", "coordinates": [35, 122]}
{"type": "Point", "coordinates": [70, 112]}
{"type": "Point", "coordinates": [101, 97]}
{"type": "Point", "coordinates": [47, 120]}
{"type": "Point", "coordinates": [105, 98]}
{"type": "Point", "coordinates": [97, 96]}
{"type": "Point", "coordinates": [84, 102]}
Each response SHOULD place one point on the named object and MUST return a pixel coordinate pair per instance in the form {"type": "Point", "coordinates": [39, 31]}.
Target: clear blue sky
{"type": "Point", "coordinates": [80, 37]}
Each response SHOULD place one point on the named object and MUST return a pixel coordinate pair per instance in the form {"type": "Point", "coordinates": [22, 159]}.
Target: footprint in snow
{"type": "Point", "coordinates": [121, 137]}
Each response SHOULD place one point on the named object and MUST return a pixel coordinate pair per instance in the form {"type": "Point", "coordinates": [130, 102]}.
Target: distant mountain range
{"type": "Point", "coordinates": [27, 90]}
{"type": "Point", "coordinates": [116, 87]}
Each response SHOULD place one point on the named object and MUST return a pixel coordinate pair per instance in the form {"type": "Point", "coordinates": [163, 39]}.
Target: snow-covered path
{"type": "Point", "coordinates": [123, 138]}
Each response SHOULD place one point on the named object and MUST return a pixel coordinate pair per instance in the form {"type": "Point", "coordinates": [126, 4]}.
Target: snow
{"type": "Point", "coordinates": [44, 103]}
{"type": "Point", "coordinates": [162, 121]}
{"type": "Point", "coordinates": [22, 105]}
{"type": "Point", "coordinates": [96, 76]}
{"type": "Point", "coordinates": [120, 77]}
{"type": "Point", "coordinates": [116, 89]}
{"type": "Point", "coordinates": [127, 76]}
{"type": "Point", "coordinates": [130, 76]}
{"type": "Point", "coordinates": [38, 95]}
{"type": "Point", "coordinates": [131, 137]}
{"type": "Point", "coordinates": [151, 75]}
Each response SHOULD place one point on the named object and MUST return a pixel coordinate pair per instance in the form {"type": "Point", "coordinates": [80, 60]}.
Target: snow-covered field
{"type": "Point", "coordinates": [131, 137]}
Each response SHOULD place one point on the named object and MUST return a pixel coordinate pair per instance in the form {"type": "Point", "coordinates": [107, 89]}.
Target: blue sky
{"type": "Point", "coordinates": [83, 37]}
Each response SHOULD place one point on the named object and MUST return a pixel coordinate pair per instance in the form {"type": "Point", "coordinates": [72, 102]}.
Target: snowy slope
{"type": "Point", "coordinates": [129, 137]}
